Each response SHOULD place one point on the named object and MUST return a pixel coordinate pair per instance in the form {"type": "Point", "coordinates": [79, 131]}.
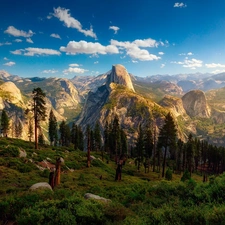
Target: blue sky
{"type": "Point", "coordinates": [55, 38]}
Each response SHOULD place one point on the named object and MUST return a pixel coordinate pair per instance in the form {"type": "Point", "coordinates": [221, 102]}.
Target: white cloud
{"type": "Point", "coordinates": [35, 51]}
{"type": "Point", "coordinates": [9, 63]}
{"type": "Point", "coordinates": [18, 40]}
{"type": "Point", "coordinates": [189, 54]}
{"type": "Point", "coordinates": [29, 40]}
{"type": "Point", "coordinates": [137, 43]}
{"type": "Point", "coordinates": [180, 5]}
{"type": "Point", "coordinates": [215, 65]}
{"type": "Point", "coordinates": [74, 70]}
{"type": "Point", "coordinates": [96, 62]}
{"type": "Point", "coordinates": [115, 28]}
{"type": "Point", "coordinates": [134, 61]}
{"type": "Point", "coordinates": [74, 65]}
{"type": "Point", "coordinates": [161, 53]}
{"type": "Point", "coordinates": [190, 63]}
{"type": "Point", "coordinates": [141, 54]}
{"type": "Point", "coordinates": [5, 58]}
{"type": "Point", "coordinates": [134, 50]}
{"type": "Point", "coordinates": [218, 71]}
{"type": "Point", "coordinates": [64, 15]}
{"type": "Point", "coordinates": [40, 51]}
{"type": "Point", "coordinates": [55, 36]}
{"type": "Point", "coordinates": [162, 65]}
{"type": "Point", "coordinates": [18, 33]}
{"type": "Point", "coordinates": [83, 47]}
{"type": "Point", "coordinates": [17, 52]}
{"type": "Point", "coordinates": [50, 71]}
{"type": "Point", "coordinates": [5, 43]}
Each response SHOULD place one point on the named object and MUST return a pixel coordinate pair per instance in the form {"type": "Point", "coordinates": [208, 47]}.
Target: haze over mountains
{"type": "Point", "coordinates": [195, 100]}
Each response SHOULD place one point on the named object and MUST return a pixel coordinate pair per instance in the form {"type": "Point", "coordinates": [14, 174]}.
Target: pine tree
{"type": "Point", "coordinates": [140, 147]}
{"type": "Point", "coordinates": [30, 130]}
{"type": "Point", "coordinates": [18, 128]}
{"type": "Point", "coordinates": [167, 137]}
{"type": "Point", "coordinates": [39, 111]}
{"type": "Point", "coordinates": [80, 138]}
{"type": "Point", "coordinates": [52, 128]}
{"type": "Point", "coordinates": [116, 135]}
{"type": "Point", "coordinates": [65, 135]}
{"type": "Point", "coordinates": [4, 123]}
{"type": "Point", "coordinates": [190, 150]}
{"type": "Point", "coordinates": [97, 137]}
{"type": "Point", "coordinates": [148, 142]}
{"type": "Point", "coordinates": [88, 137]}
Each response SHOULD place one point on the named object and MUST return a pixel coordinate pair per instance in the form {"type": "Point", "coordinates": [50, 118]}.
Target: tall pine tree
{"type": "Point", "coordinates": [52, 128]}
{"type": "Point", "coordinates": [39, 111]}
{"type": "Point", "coordinates": [4, 123]}
{"type": "Point", "coordinates": [167, 137]}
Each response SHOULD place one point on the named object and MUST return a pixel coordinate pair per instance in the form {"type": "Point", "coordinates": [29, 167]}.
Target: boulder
{"type": "Point", "coordinates": [22, 153]}
{"type": "Point", "coordinates": [41, 185]}
{"type": "Point", "coordinates": [96, 197]}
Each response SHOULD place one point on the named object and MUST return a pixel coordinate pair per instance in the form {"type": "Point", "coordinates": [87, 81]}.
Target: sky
{"type": "Point", "coordinates": [67, 38]}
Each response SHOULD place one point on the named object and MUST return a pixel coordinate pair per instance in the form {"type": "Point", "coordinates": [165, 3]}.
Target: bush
{"type": "Point", "coordinates": [168, 174]}
{"type": "Point", "coordinates": [186, 176]}
{"type": "Point", "coordinates": [10, 151]}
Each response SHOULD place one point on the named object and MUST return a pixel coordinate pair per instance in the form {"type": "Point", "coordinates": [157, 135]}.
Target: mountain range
{"type": "Point", "coordinates": [196, 101]}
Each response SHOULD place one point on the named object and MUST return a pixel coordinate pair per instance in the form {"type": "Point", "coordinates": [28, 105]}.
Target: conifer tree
{"type": "Point", "coordinates": [190, 150]}
{"type": "Point", "coordinates": [30, 129]}
{"type": "Point", "coordinates": [18, 128]}
{"type": "Point", "coordinates": [65, 135]}
{"type": "Point", "coordinates": [39, 111]}
{"type": "Point", "coordinates": [140, 147]}
{"type": "Point", "coordinates": [167, 137]}
{"type": "Point", "coordinates": [4, 123]}
{"type": "Point", "coordinates": [88, 137]}
{"type": "Point", "coordinates": [52, 128]}
{"type": "Point", "coordinates": [116, 135]}
{"type": "Point", "coordinates": [97, 137]}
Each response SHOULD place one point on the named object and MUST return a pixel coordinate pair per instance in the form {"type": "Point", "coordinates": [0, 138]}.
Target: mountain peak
{"type": "Point", "coordinates": [119, 75]}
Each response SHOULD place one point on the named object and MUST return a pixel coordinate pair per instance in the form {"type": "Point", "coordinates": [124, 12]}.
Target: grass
{"type": "Point", "coordinates": [140, 198]}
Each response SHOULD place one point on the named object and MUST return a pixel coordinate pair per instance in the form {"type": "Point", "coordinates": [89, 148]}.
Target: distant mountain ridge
{"type": "Point", "coordinates": [88, 99]}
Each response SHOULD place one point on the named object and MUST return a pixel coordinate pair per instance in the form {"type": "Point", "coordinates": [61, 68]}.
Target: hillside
{"type": "Point", "coordinates": [138, 198]}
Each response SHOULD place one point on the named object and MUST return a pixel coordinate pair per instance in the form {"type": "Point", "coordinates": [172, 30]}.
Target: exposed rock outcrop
{"type": "Point", "coordinates": [195, 104]}
{"type": "Point", "coordinates": [174, 104]}
{"type": "Point", "coordinates": [119, 75]}
{"type": "Point", "coordinates": [11, 93]}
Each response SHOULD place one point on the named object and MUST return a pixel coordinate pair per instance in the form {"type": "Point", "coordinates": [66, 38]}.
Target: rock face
{"type": "Point", "coordinates": [195, 104]}
{"type": "Point", "coordinates": [119, 75]}
{"type": "Point", "coordinates": [174, 104]}
{"type": "Point", "coordinates": [12, 93]}
{"type": "Point", "coordinates": [96, 100]}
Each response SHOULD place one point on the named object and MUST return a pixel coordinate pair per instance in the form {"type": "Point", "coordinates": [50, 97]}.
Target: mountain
{"type": "Point", "coordinates": [135, 100]}
{"type": "Point", "coordinates": [195, 104]}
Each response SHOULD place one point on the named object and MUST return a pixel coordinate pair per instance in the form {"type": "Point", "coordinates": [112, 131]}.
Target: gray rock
{"type": "Point", "coordinates": [41, 185]}
{"type": "Point", "coordinates": [96, 197]}
{"type": "Point", "coordinates": [22, 154]}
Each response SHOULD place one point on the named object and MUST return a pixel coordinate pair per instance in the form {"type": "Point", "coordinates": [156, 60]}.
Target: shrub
{"type": "Point", "coordinates": [168, 174]}
{"type": "Point", "coordinates": [10, 151]}
{"type": "Point", "coordinates": [186, 176]}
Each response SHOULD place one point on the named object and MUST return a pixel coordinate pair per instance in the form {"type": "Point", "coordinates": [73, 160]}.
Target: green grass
{"type": "Point", "coordinates": [139, 198]}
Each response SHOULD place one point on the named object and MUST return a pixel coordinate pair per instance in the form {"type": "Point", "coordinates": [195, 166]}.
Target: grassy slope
{"type": "Point", "coordinates": [138, 199]}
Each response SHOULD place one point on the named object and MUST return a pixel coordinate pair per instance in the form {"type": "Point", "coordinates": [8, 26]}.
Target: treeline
{"type": "Point", "coordinates": [156, 150]}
